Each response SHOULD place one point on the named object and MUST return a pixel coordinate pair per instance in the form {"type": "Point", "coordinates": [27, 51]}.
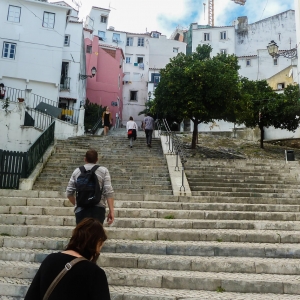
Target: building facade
{"type": "Point", "coordinates": [42, 50]}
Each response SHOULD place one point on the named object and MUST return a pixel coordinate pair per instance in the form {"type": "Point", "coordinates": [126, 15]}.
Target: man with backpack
{"type": "Point", "coordinates": [89, 189]}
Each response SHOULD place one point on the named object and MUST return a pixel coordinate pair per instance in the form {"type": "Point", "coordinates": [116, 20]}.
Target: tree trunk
{"type": "Point", "coordinates": [195, 134]}
{"type": "Point", "coordinates": [262, 136]}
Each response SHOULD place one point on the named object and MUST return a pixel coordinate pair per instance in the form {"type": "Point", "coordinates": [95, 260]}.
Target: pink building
{"type": "Point", "coordinates": [106, 87]}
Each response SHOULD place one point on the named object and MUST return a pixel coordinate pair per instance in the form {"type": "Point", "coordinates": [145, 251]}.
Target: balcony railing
{"type": "Point", "coordinates": [65, 83]}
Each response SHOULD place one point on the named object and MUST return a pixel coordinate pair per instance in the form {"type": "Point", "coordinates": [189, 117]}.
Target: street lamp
{"type": "Point", "coordinates": [274, 51]}
{"type": "Point", "coordinates": [93, 71]}
{"type": "Point", "coordinates": [149, 95]}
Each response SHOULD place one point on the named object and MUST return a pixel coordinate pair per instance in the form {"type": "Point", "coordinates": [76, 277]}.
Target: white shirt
{"type": "Point", "coordinates": [131, 125]}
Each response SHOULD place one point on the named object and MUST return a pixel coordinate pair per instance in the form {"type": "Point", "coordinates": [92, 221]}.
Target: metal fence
{"type": "Point", "coordinates": [41, 120]}
{"type": "Point", "coordinates": [13, 94]}
{"type": "Point", "coordinates": [38, 148]}
{"type": "Point", "coordinates": [11, 168]}
{"type": "Point", "coordinates": [15, 165]}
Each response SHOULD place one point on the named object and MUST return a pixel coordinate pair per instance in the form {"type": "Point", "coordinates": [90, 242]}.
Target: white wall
{"type": "Point", "coordinates": [14, 136]}
{"type": "Point", "coordinates": [262, 65]}
{"type": "Point", "coordinates": [215, 38]}
{"type": "Point", "coordinates": [161, 51]}
{"type": "Point", "coordinates": [39, 49]}
{"type": "Point", "coordinates": [138, 78]}
{"type": "Point", "coordinates": [281, 28]}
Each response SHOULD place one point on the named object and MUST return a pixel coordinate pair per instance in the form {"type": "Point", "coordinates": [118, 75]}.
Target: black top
{"type": "Point", "coordinates": [106, 119]}
{"type": "Point", "coordinates": [85, 281]}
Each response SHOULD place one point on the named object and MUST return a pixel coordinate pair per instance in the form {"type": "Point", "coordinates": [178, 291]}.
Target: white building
{"type": "Point", "coordinates": [145, 54]}
{"type": "Point", "coordinates": [249, 42]}
{"type": "Point", "coordinates": [297, 15]}
{"type": "Point", "coordinates": [36, 38]}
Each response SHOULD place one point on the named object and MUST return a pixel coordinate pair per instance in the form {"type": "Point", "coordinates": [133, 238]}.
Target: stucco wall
{"type": "Point", "coordinates": [105, 87]}
{"type": "Point", "coordinates": [13, 135]}
{"type": "Point", "coordinates": [281, 28]}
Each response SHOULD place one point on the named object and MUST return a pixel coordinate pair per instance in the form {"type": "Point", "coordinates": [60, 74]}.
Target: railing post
{"type": "Point", "coordinates": [80, 125]}
{"type": "Point", "coordinates": [182, 179]}
{"type": "Point", "coordinates": [177, 167]}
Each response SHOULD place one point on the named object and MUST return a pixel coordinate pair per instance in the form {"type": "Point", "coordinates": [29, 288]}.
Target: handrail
{"type": "Point", "coordinates": [37, 150]}
{"type": "Point", "coordinates": [95, 127]}
{"type": "Point", "coordinates": [175, 147]}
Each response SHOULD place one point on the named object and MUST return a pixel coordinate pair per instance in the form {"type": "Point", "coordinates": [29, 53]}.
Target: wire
{"type": "Point", "coordinates": [43, 21]}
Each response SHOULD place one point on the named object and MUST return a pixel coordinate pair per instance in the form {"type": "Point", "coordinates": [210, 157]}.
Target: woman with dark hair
{"type": "Point", "coordinates": [131, 128]}
{"type": "Point", "coordinates": [84, 280]}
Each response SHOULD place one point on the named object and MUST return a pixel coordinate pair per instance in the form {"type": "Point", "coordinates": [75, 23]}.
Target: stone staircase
{"type": "Point", "coordinates": [236, 237]}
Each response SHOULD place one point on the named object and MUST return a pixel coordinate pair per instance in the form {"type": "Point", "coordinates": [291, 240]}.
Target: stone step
{"type": "Point", "coordinates": [53, 217]}
{"type": "Point", "coordinates": [249, 179]}
{"type": "Point", "coordinates": [169, 262]}
{"type": "Point", "coordinates": [61, 206]}
{"type": "Point", "coordinates": [227, 172]}
{"type": "Point", "coordinates": [201, 264]}
{"type": "Point", "coordinates": [245, 189]}
{"type": "Point", "coordinates": [222, 235]}
{"type": "Point", "coordinates": [22, 272]}
{"type": "Point", "coordinates": [237, 282]}
{"type": "Point", "coordinates": [232, 194]}
{"type": "Point", "coordinates": [221, 184]}
{"type": "Point", "coordinates": [182, 248]}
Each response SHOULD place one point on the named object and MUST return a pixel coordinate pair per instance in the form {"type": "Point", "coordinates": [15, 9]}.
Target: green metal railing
{"type": "Point", "coordinates": [15, 165]}
{"type": "Point", "coordinates": [37, 149]}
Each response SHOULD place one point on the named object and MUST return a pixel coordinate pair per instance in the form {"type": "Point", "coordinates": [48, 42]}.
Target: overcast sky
{"type": "Point", "coordinates": [164, 15]}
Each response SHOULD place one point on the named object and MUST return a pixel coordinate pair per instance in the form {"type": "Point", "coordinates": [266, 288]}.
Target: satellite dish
{"type": "Point", "coordinates": [290, 72]}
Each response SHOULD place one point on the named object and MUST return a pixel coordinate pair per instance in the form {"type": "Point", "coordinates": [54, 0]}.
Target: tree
{"type": "Point", "coordinates": [93, 112]}
{"type": "Point", "coordinates": [260, 106]}
{"type": "Point", "coordinates": [197, 87]}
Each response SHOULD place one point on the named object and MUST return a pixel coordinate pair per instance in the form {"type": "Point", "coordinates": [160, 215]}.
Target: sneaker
{"type": "Point", "coordinates": [149, 145]}
{"type": "Point", "coordinates": [130, 146]}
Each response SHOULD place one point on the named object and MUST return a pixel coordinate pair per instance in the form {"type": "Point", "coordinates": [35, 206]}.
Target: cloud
{"type": "Point", "coordinates": [165, 15]}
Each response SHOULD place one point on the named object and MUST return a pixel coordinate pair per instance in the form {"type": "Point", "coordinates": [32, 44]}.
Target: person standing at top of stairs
{"type": "Point", "coordinates": [97, 211]}
{"type": "Point", "coordinates": [106, 120]}
{"type": "Point", "coordinates": [149, 127]}
{"type": "Point", "coordinates": [131, 129]}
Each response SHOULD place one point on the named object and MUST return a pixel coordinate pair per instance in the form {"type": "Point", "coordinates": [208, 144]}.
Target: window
{"type": "Point", "coordinates": [155, 35]}
{"type": "Point", "coordinates": [101, 35]}
{"type": "Point", "coordinates": [275, 61]}
{"type": "Point", "coordinates": [67, 40]}
{"type": "Point", "coordinates": [9, 50]}
{"type": "Point", "coordinates": [116, 38]}
{"type": "Point", "coordinates": [133, 95]}
{"type": "Point", "coordinates": [103, 19]}
{"type": "Point", "coordinates": [248, 63]}
{"type": "Point", "coordinates": [49, 19]}
{"type": "Point", "coordinates": [223, 35]}
{"type": "Point", "coordinates": [223, 51]}
{"type": "Point", "coordinates": [206, 36]}
{"type": "Point", "coordinates": [129, 41]}
{"type": "Point", "coordinates": [126, 77]}
{"type": "Point", "coordinates": [280, 86]}
{"type": "Point", "coordinates": [128, 58]}
{"type": "Point", "coordinates": [14, 14]}
{"type": "Point", "coordinates": [140, 60]}
{"type": "Point", "coordinates": [136, 77]}
{"type": "Point", "coordinates": [175, 50]}
{"type": "Point", "coordinates": [88, 49]}
{"type": "Point", "coordinates": [140, 42]}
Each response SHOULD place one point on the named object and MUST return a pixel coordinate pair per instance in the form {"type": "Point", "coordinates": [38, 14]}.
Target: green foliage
{"type": "Point", "coordinates": [197, 87]}
{"type": "Point", "coordinates": [170, 217]}
{"type": "Point", "coordinates": [220, 289]}
{"type": "Point", "coordinates": [260, 106]}
{"type": "Point", "coordinates": [4, 234]}
{"type": "Point", "coordinates": [93, 112]}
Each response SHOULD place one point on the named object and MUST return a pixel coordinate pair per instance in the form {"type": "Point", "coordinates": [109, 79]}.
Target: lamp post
{"type": "Point", "coordinates": [273, 50]}
{"type": "Point", "coordinates": [93, 71]}
{"type": "Point", "coordinates": [149, 95]}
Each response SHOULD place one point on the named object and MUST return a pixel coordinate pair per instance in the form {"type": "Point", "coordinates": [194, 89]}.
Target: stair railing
{"type": "Point", "coordinates": [95, 127]}
{"type": "Point", "coordinates": [175, 147]}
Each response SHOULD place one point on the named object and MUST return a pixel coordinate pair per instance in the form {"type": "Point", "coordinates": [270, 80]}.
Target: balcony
{"type": "Point", "coordinates": [65, 83]}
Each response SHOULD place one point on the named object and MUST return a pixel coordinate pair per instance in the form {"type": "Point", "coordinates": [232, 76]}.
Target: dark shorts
{"type": "Point", "coordinates": [96, 212]}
